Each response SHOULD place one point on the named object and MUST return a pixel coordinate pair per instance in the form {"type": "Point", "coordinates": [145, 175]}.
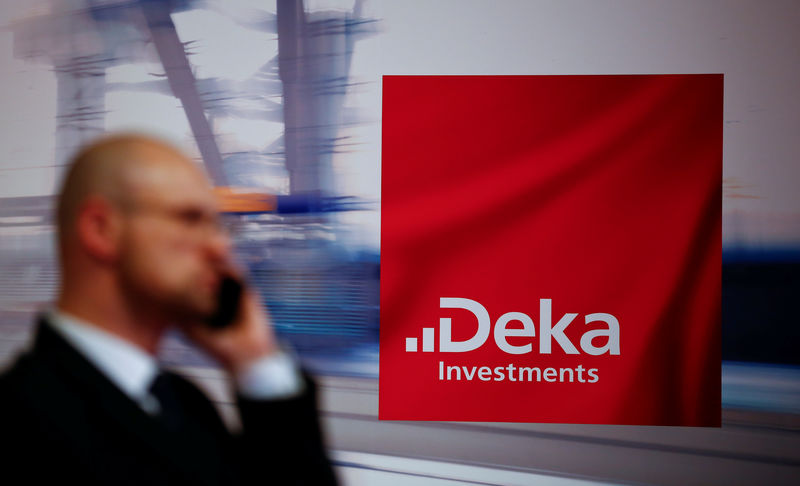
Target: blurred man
{"type": "Point", "coordinates": [141, 250]}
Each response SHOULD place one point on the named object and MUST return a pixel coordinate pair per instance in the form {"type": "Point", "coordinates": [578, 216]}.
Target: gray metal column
{"type": "Point", "coordinates": [80, 111]}
{"type": "Point", "coordinates": [183, 83]}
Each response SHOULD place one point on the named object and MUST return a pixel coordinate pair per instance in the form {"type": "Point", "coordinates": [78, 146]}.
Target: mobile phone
{"type": "Point", "coordinates": [230, 300]}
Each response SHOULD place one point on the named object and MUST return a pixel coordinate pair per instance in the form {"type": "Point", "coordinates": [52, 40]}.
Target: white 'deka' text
{"type": "Point", "coordinates": [501, 332]}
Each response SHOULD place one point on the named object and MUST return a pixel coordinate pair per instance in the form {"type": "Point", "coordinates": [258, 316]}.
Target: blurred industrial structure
{"type": "Point", "coordinates": [319, 291]}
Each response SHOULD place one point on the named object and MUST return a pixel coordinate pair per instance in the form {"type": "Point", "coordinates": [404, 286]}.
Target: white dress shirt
{"type": "Point", "coordinates": [133, 370]}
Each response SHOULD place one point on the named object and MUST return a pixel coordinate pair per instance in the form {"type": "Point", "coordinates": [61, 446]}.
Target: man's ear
{"type": "Point", "coordinates": [99, 228]}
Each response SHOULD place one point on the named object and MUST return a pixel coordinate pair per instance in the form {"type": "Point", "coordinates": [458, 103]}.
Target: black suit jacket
{"type": "Point", "coordinates": [65, 421]}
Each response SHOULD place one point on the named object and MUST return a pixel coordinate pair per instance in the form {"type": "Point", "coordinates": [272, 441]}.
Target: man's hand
{"type": "Point", "coordinates": [244, 341]}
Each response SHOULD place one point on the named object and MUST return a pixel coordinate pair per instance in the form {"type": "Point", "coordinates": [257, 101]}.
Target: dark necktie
{"type": "Point", "coordinates": [164, 390]}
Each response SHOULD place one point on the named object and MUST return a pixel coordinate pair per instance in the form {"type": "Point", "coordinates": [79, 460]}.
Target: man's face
{"type": "Point", "coordinates": [172, 251]}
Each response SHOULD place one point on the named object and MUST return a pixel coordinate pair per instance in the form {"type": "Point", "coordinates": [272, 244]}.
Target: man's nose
{"type": "Point", "coordinates": [219, 244]}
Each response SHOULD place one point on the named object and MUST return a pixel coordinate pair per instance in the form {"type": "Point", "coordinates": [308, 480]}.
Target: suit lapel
{"type": "Point", "coordinates": [116, 412]}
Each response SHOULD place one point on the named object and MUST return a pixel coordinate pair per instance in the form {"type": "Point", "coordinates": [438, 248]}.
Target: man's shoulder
{"type": "Point", "coordinates": [20, 376]}
{"type": "Point", "coordinates": [30, 401]}
{"type": "Point", "coordinates": [45, 423]}
{"type": "Point", "coordinates": [37, 393]}
{"type": "Point", "coordinates": [30, 384]}
{"type": "Point", "coordinates": [28, 371]}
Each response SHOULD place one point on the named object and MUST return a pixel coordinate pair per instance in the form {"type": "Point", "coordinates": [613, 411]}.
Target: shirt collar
{"type": "Point", "coordinates": [127, 366]}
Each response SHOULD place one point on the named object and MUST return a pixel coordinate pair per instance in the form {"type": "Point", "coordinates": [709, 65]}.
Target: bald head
{"type": "Point", "coordinates": [140, 242]}
{"type": "Point", "coordinates": [116, 168]}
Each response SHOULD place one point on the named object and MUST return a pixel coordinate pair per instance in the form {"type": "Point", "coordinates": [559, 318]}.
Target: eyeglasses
{"type": "Point", "coordinates": [195, 222]}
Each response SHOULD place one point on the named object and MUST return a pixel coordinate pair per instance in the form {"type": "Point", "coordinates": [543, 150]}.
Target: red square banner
{"type": "Point", "coordinates": [551, 249]}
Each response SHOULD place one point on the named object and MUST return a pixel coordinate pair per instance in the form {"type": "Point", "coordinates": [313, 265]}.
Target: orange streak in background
{"type": "Point", "coordinates": [239, 200]}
